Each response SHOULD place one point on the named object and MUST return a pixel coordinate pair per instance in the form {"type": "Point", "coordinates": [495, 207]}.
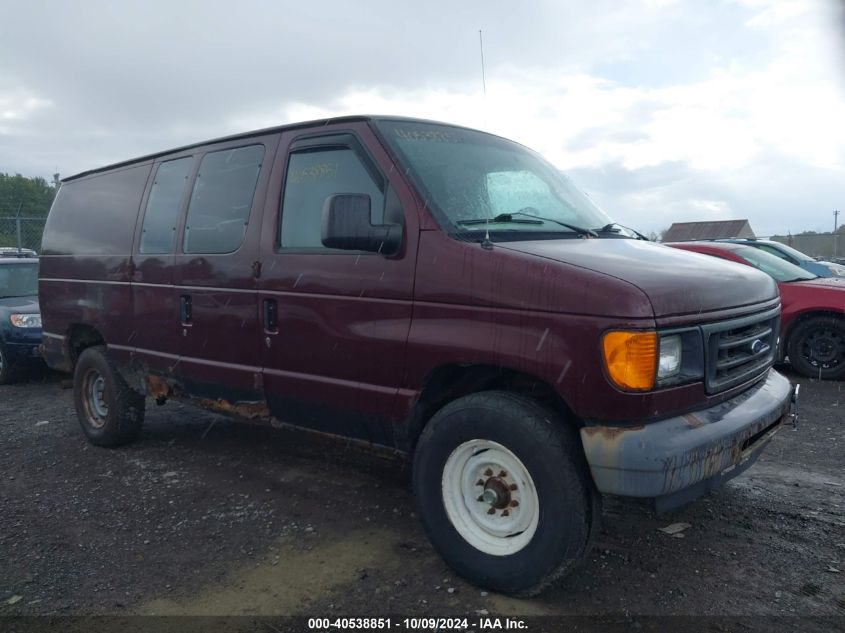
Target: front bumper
{"type": "Point", "coordinates": [678, 459]}
{"type": "Point", "coordinates": [22, 352]}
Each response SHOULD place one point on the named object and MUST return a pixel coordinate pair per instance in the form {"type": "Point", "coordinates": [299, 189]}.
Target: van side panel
{"type": "Point", "coordinates": [220, 348]}
{"type": "Point", "coordinates": [154, 298]}
{"type": "Point", "coordinates": [334, 362]}
{"type": "Point", "coordinates": [85, 266]}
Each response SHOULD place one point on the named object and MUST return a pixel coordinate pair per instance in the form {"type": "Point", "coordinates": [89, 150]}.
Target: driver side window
{"type": "Point", "coordinates": [312, 177]}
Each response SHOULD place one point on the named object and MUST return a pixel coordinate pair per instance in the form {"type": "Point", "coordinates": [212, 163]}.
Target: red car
{"type": "Point", "coordinates": [812, 327]}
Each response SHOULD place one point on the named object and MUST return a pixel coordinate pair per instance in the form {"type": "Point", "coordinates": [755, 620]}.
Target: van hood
{"type": "Point", "coordinates": [676, 282]}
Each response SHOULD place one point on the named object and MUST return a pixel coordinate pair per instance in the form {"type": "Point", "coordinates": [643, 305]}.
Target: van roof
{"type": "Point", "coordinates": [268, 130]}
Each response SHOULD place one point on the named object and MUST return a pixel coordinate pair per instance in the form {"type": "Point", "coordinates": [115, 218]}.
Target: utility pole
{"type": "Point", "coordinates": [481, 48]}
{"type": "Point", "coordinates": [18, 227]}
{"type": "Point", "coordinates": [835, 237]}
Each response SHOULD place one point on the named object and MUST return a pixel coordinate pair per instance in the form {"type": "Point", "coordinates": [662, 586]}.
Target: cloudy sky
{"type": "Point", "coordinates": [662, 110]}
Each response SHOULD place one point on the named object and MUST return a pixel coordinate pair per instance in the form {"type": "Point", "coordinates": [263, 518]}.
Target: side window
{"type": "Point", "coordinates": [162, 213]}
{"type": "Point", "coordinates": [221, 200]}
{"type": "Point", "coordinates": [776, 253]}
{"type": "Point", "coordinates": [312, 177]}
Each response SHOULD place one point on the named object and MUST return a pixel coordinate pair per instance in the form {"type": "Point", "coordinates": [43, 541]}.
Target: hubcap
{"type": "Point", "coordinates": [94, 390]}
{"type": "Point", "coordinates": [490, 498]}
{"type": "Point", "coordinates": [824, 348]}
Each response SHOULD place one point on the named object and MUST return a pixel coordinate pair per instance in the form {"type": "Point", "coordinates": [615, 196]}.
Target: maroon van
{"type": "Point", "coordinates": [425, 287]}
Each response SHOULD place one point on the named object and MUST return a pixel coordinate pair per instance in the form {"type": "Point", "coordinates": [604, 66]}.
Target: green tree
{"type": "Point", "coordinates": [31, 197]}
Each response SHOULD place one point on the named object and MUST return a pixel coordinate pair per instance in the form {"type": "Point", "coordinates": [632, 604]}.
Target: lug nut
{"type": "Point", "coordinates": [480, 482]}
{"type": "Point", "coordinates": [488, 473]}
{"type": "Point", "coordinates": [514, 503]}
{"type": "Point", "coordinates": [506, 513]}
{"type": "Point", "coordinates": [512, 487]}
{"type": "Point", "coordinates": [491, 511]}
{"type": "Point", "coordinates": [502, 474]}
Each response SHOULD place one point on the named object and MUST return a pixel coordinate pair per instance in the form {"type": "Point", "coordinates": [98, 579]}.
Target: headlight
{"type": "Point", "coordinates": [630, 358]}
{"type": "Point", "coordinates": [669, 361]}
{"type": "Point", "coordinates": [643, 360]}
{"type": "Point", "coordinates": [25, 320]}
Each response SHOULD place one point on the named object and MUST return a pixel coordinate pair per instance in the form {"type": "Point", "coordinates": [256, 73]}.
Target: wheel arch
{"type": "Point", "coordinates": [81, 336]}
{"type": "Point", "coordinates": [447, 383]}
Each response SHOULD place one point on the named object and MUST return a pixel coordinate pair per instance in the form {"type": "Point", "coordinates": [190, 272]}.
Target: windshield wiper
{"type": "Point", "coordinates": [611, 228]}
{"type": "Point", "coordinates": [502, 218]}
{"type": "Point", "coordinates": [508, 218]}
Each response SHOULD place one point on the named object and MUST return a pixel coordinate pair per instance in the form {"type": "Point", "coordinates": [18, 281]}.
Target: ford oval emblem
{"type": "Point", "coordinates": [757, 346]}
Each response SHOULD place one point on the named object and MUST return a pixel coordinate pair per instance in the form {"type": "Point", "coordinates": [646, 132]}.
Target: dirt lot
{"type": "Point", "coordinates": [207, 516]}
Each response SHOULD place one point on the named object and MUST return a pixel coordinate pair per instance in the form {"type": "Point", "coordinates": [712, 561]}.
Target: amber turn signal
{"type": "Point", "coordinates": [631, 359]}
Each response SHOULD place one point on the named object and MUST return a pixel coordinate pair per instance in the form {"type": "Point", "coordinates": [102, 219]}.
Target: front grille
{"type": "Point", "coordinates": [740, 349]}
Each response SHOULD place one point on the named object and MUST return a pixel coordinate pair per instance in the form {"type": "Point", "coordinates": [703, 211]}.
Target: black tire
{"type": "Point", "coordinates": [109, 411]}
{"type": "Point", "coordinates": [549, 450]}
{"type": "Point", "coordinates": [816, 347]}
{"type": "Point", "coordinates": [7, 372]}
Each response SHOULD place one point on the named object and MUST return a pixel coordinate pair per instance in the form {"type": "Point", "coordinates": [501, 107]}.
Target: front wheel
{"type": "Point", "coordinates": [504, 492]}
{"type": "Point", "coordinates": [816, 348]}
{"type": "Point", "coordinates": [109, 411]}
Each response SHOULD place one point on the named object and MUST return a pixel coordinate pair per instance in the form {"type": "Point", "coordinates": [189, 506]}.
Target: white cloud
{"type": "Point", "coordinates": [668, 109]}
{"type": "Point", "coordinates": [18, 105]}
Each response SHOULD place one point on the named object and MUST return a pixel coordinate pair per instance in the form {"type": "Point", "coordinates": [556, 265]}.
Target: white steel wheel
{"type": "Point", "coordinates": [490, 498]}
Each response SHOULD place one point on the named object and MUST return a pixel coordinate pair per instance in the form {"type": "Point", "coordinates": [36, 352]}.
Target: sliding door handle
{"type": "Point", "coordinates": [185, 312]}
{"type": "Point", "coordinates": [271, 315]}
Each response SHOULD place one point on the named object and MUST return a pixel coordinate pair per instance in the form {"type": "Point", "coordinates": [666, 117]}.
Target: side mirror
{"type": "Point", "coordinates": [346, 225]}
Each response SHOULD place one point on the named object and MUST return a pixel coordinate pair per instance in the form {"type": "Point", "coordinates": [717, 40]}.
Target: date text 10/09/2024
{"type": "Point", "coordinates": [417, 624]}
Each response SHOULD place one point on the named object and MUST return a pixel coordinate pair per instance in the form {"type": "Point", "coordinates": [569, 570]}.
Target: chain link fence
{"type": "Point", "coordinates": [22, 232]}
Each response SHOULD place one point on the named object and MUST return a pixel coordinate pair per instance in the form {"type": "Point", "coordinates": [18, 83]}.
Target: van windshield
{"type": "Point", "coordinates": [475, 182]}
{"type": "Point", "coordinates": [18, 280]}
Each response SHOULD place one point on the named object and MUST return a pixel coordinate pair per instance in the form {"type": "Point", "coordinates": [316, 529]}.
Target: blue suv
{"type": "Point", "coordinates": [20, 318]}
{"type": "Point", "coordinates": [819, 268]}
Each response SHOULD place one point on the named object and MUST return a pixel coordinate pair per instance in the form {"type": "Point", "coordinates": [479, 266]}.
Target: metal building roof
{"type": "Point", "coordinates": [715, 230]}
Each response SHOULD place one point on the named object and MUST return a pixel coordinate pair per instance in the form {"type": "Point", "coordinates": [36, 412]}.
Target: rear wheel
{"type": "Point", "coordinates": [816, 348]}
{"type": "Point", "coordinates": [504, 492]}
{"type": "Point", "coordinates": [109, 412]}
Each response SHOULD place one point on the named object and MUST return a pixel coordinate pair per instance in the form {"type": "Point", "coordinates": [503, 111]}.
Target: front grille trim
{"type": "Point", "coordinates": [728, 361]}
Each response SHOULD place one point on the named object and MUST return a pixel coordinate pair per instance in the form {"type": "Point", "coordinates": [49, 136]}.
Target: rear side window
{"type": "Point", "coordinates": [312, 177]}
{"type": "Point", "coordinates": [162, 213]}
{"type": "Point", "coordinates": [95, 215]}
{"type": "Point", "coordinates": [221, 200]}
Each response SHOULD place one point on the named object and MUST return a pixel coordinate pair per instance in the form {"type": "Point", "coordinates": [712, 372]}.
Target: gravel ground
{"type": "Point", "coordinates": [208, 516]}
